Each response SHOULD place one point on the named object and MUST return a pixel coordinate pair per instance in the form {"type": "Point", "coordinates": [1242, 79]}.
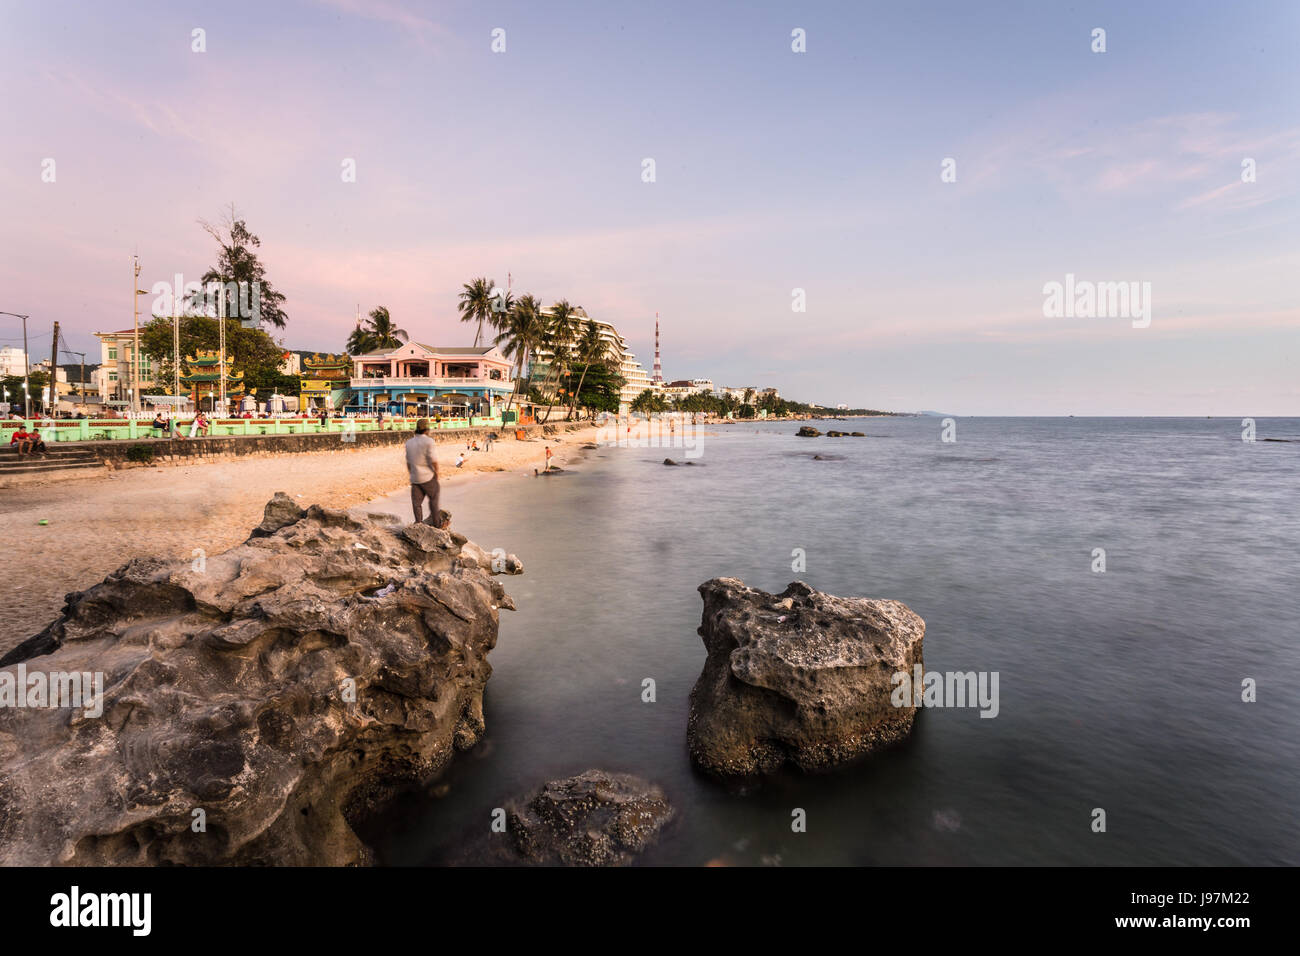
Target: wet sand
{"type": "Point", "coordinates": [99, 523]}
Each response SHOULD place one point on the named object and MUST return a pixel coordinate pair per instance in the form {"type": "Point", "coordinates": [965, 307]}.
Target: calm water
{"type": "Point", "coordinates": [1118, 690]}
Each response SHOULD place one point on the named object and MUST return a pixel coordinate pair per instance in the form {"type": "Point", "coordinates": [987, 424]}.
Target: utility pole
{"type": "Point", "coordinates": [176, 360]}
{"type": "Point", "coordinates": [221, 357]}
{"type": "Point", "coordinates": [81, 385]}
{"type": "Point", "coordinates": [135, 348]}
{"type": "Point", "coordinates": [27, 374]}
{"type": "Point", "coordinates": [54, 373]}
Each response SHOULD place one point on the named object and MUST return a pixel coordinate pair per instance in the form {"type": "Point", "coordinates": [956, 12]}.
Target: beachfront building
{"type": "Point", "coordinates": [685, 386]}
{"type": "Point", "coordinates": [201, 377]}
{"type": "Point", "coordinates": [738, 392]}
{"type": "Point", "coordinates": [430, 380]}
{"type": "Point", "coordinates": [13, 362]}
{"type": "Point", "coordinates": [114, 375]}
{"type": "Point", "coordinates": [636, 378]}
{"type": "Point", "coordinates": [325, 380]}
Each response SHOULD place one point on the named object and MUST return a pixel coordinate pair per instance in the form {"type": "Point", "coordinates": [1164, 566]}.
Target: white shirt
{"type": "Point", "coordinates": [421, 460]}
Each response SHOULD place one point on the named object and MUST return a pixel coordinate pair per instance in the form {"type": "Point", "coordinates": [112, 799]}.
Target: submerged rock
{"type": "Point", "coordinates": [594, 819]}
{"type": "Point", "coordinates": [254, 701]}
{"type": "Point", "coordinates": [800, 677]}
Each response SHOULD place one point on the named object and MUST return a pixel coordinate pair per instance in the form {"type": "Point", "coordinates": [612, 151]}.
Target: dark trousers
{"type": "Point", "coordinates": [418, 493]}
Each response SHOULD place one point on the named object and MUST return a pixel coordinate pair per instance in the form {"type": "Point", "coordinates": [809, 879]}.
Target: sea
{"type": "Point", "coordinates": [1133, 582]}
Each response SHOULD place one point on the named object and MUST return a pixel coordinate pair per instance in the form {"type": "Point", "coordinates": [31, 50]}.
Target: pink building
{"type": "Point", "coordinates": [432, 380]}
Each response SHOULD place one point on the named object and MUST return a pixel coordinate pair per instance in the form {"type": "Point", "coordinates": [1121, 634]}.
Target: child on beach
{"type": "Point", "coordinates": [548, 458]}
{"type": "Point", "coordinates": [460, 459]}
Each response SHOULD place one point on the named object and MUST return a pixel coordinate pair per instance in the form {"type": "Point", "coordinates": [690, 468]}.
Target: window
{"type": "Point", "coordinates": [112, 353]}
{"type": "Point", "coordinates": [112, 376]}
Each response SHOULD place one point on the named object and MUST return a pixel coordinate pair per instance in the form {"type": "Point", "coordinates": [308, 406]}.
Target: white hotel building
{"type": "Point", "coordinates": [637, 379]}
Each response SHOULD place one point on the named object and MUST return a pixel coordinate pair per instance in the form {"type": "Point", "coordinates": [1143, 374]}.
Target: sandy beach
{"type": "Point", "coordinates": [98, 524]}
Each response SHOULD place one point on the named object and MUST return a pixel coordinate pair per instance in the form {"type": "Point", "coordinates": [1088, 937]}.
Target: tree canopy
{"type": "Point", "coordinates": [237, 262]}
{"type": "Point", "coordinates": [251, 351]}
{"type": "Point", "coordinates": [378, 332]}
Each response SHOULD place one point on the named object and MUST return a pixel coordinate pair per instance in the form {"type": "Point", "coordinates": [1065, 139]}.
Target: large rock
{"type": "Point", "coordinates": [807, 431]}
{"type": "Point", "coordinates": [593, 819]}
{"type": "Point", "coordinates": [800, 677]}
{"type": "Point", "coordinates": [253, 701]}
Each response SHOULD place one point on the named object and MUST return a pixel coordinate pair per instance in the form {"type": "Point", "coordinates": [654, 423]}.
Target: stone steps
{"type": "Point", "coordinates": [59, 459]}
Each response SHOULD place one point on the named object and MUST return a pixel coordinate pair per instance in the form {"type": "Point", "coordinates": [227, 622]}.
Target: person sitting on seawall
{"type": "Point", "coordinates": [159, 426]}
{"type": "Point", "coordinates": [28, 443]}
{"type": "Point", "coordinates": [21, 438]}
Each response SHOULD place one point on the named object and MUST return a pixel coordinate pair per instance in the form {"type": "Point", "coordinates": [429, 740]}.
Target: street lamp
{"type": "Point", "coordinates": [81, 386]}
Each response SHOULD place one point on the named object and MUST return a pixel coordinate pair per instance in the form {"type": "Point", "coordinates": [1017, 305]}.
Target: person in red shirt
{"type": "Point", "coordinates": [29, 443]}
{"type": "Point", "coordinates": [22, 438]}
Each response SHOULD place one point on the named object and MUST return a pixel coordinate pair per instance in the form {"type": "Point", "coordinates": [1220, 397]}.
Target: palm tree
{"type": "Point", "coordinates": [591, 348]}
{"type": "Point", "coordinates": [520, 334]}
{"type": "Point", "coordinates": [386, 334]}
{"type": "Point", "coordinates": [475, 304]}
{"type": "Point", "coordinates": [559, 340]}
{"type": "Point", "coordinates": [360, 341]}
{"type": "Point", "coordinates": [379, 332]}
{"type": "Point", "coordinates": [647, 403]}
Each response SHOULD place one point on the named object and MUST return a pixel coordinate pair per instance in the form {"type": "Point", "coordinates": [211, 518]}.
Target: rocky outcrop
{"type": "Point", "coordinates": [800, 677]}
{"type": "Point", "coordinates": [254, 701]}
{"type": "Point", "coordinates": [593, 819]}
{"type": "Point", "coordinates": [807, 431]}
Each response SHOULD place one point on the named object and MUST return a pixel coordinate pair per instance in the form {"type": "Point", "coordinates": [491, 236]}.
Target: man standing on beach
{"type": "Point", "coordinates": [422, 464]}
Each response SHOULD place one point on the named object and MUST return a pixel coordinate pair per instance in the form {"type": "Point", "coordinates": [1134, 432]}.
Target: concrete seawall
{"type": "Point", "coordinates": [163, 452]}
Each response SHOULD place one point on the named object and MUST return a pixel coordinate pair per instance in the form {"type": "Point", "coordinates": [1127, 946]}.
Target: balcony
{"type": "Point", "coordinates": [439, 381]}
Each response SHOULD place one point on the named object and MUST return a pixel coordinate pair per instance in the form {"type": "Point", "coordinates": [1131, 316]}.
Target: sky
{"type": "Point", "coordinates": [774, 171]}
